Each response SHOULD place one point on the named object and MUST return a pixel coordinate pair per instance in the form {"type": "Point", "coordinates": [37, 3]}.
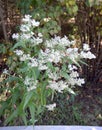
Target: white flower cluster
{"type": "Point", "coordinates": [73, 54]}
{"type": "Point", "coordinates": [5, 71]}
{"type": "Point", "coordinates": [74, 78]}
{"type": "Point", "coordinates": [27, 31]}
{"type": "Point", "coordinates": [58, 41]}
{"type": "Point", "coordinates": [58, 86]}
{"type": "Point", "coordinates": [30, 83]}
{"type": "Point", "coordinates": [51, 55]}
{"type": "Point", "coordinates": [51, 107]}
{"type": "Point", "coordinates": [56, 56]}
{"type": "Point", "coordinates": [32, 62]}
{"type": "Point", "coordinates": [27, 19]}
{"type": "Point", "coordinates": [19, 52]}
{"type": "Point", "coordinates": [85, 53]}
{"type": "Point", "coordinates": [58, 59]}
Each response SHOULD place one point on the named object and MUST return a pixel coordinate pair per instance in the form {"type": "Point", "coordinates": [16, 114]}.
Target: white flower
{"type": "Point", "coordinates": [72, 50]}
{"type": "Point", "coordinates": [51, 107]}
{"type": "Point", "coordinates": [5, 71]}
{"type": "Point", "coordinates": [53, 75]}
{"type": "Point", "coordinates": [42, 61]}
{"type": "Point", "coordinates": [83, 54]}
{"type": "Point", "coordinates": [15, 36]}
{"type": "Point", "coordinates": [25, 28]}
{"type": "Point", "coordinates": [26, 18]}
{"type": "Point", "coordinates": [25, 57]}
{"type": "Point", "coordinates": [65, 41]}
{"type": "Point", "coordinates": [87, 55]}
{"type": "Point", "coordinates": [53, 85]}
{"type": "Point", "coordinates": [54, 56]}
{"type": "Point", "coordinates": [75, 50]}
{"type": "Point", "coordinates": [31, 88]}
{"type": "Point", "coordinates": [40, 35]}
{"type": "Point", "coordinates": [26, 36]}
{"type": "Point", "coordinates": [57, 86]}
{"type": "Point", "coordinates": [42, 67]}
{"type": "Point", "coordinates": [73, 54]}
{"type": "Point", "coordinates": [90, 55]}
{"type": "Point", "coordinates": [72, 81]}
{"type": "Point", "coordinates": [27, 81]}
{"type": "Point", "coordinates": [76, 81]}
{"type": "Point", "coordinates": [30, 83]}
{"type": "Point", "coordinates": [80, 81]}
{"type": "Point", "coordinates": [62, 86]}
{"type": "Point", "coordinates": [72, 42]}
{"type": "Point", "coordinates": [44, 54]}
{"type": "Point", "coordinates": [38, 40]}
{"type": "Point", "coordinates": [19, 52]}
{"type": "Point", "coordinates": [72, 67]}
{"type": "Point", "coordinates": [35, 23]}
{"type": "Point", "coordinates": [33, 62]}
{"type": "Point", "coordinates": [58, 41]}
{"type": "Point", "coordinates": [86, 47]}
{"type": "Point", "coordinates": [74, 74]}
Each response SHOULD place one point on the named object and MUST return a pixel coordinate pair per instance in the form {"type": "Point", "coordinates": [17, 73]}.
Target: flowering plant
{"type": "Point", "coordinates": [43, 68]}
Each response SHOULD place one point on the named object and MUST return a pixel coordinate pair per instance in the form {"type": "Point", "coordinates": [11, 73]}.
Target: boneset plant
{"type": "Point", "coordinates": [40, 69]}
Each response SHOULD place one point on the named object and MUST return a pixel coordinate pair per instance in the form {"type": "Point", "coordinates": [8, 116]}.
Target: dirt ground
{"type": "Point", "coordinates": [90, 100]}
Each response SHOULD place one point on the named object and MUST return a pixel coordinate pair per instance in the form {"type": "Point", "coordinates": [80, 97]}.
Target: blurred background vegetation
{"type": "Point", "coordinates": [78, 19]}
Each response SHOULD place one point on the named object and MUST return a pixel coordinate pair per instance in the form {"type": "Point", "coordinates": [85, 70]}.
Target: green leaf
{"type": "Point", "coordinates": [15, 96]}
{"type": "Point", "coordinates": [12, 116]}
{"type": "Point", "coordinates": [65, 75]}
{"type": "Point", "coordinates": [3, 106]}
{"type": "Point", "coordinates": [77, 64]}
{"type": "Point", "coordinates": [39, 109]}
{"type": "Point", "coordinates": [83, 62]}
{"type": "Point", "coordinates": [3, 48]}
{"type": "Point", "coordinates": [24, 118]}
{"type": "Point", "coordinates": [27, 98]}
{"type": "Point", "coordinates": [87, 3]}
{"type": "Point", "coordinates": [36, 73]}
{"type": "Point", "coordinates": [75, 9]}
{"type": "Point", "coordinates": [32, 112]}
{"type": "Point", "coordinates": [43, 94]}
{"type": "Point", "coordinates": [71, 91]}
{"type": "Point", "coordinates": [24, 69]}
{"type": "Point", "coordinates": [10, 79]}
{"type": "Point", "coordinates": [91, 3]}
{"type": "Point", "coordinates": [19, 44]}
